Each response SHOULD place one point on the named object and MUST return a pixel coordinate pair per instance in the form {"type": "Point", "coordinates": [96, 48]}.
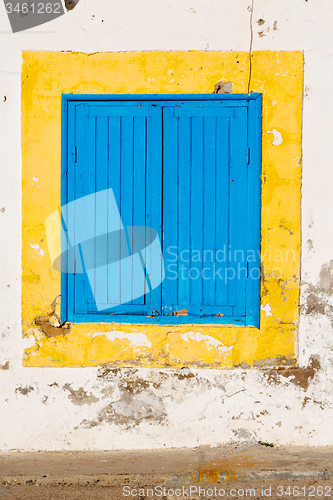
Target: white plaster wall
{"type": "Point", "coordinates": [90, 409]}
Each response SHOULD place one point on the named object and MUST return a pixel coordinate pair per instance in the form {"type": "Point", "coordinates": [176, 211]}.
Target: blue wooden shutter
{"type": "Point", "coordinates": [189, 169]}
{"type": "Point", "coordinates": [115, 145]}
{"type": "Point", "coordinates": [205, 209]}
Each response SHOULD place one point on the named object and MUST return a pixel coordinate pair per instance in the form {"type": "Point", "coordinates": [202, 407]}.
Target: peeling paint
{"type": "Point", "coordinates": [300, 377]}
{"type": "Point", "coordinates": [80, 396]}
{"type": "Point", "coordinates": [267, 310]}
{"type": "Point", "coordinates": [318, 296]}
{"type": "Point", "coordinates": [135, 403]}
{"type": "Point", "coordinates": [28, 342]}
{"type": "Point", "coordinates": [38, 250]}
{"type": "Point", "coordinates": [135, 339]}
{"type": "Point", "coordinates": [51, 325]}
{"type": "Point", "coordinates": [24, 390]}
{"type": "Point", "coordinates": [277, 137]}
{"type": "Point", "coordinates": [211, 342]}
{"type": "Point", "coordinates": [222, 87]}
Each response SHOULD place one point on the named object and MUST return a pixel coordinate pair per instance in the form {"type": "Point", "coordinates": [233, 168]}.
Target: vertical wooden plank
{"type": "Point", "coordinates": [139, 189]}
{"type": "Point", "coordinates": [222, 222]}
{"type": "Point", "coordinates": [211, 190]}
{"type": "Point", "coordinates": [126, 204]}
{"type": "Point", "coordinates": [154, 204]}
{"type": "Point", "coordinates": [114, 180]}
{"type": "Point", "coordinates": [197, 192]}
{"type": "Point", "coordinates": [184, 203]}
{"type": "Point", "coordinates": [101, 248]}
{"type": "Point", "coordinates": [170, 210]}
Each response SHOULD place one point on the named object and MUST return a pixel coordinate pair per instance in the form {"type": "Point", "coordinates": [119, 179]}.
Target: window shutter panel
{"type": "Point", "coordinates": [118, 147]}
{"type": "Point", "coordinates": [204, 209]}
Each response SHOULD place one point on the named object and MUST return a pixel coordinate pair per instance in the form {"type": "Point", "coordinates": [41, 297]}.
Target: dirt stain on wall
{"type": "Point", "coordinates": [300, 377]}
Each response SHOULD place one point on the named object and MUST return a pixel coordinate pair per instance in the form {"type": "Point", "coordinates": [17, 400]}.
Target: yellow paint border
{"type": "Point", "coordinates": [279, 77]}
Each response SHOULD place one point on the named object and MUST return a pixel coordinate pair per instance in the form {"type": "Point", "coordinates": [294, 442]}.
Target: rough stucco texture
{"type": "Point", "coordinates": [97, 408]}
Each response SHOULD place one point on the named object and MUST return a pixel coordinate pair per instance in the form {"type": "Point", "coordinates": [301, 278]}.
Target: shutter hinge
{"type": "Point", "coordinates": [248, 156]}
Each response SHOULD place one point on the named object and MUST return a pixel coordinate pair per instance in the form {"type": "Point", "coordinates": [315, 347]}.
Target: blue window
{"type": "Point", "coordinates": [161, 209]}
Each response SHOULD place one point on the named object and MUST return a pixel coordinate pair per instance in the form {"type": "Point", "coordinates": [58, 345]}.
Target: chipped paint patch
{"type": "Point", "coordinates": [267, 310]}
{"type": "Point", "coordinates": [80, 396]}
{"type": "Point", "coordinates": [301, 377]}
{"type": "Point", "coordinates": [24, 390]}
{"type": "Point", "coordinates": [277, 136]}
{"type": "Point", "coordinates": [135, 339]}
{"type": "Point", "coordinates": [38, 250]}
{"type": "Point", "coordinates": [211, 342]}
{"type": "Point", "coordinates": [28, 342]}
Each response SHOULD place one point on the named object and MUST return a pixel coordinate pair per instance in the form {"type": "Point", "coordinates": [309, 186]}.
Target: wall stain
{"type": "Point", "coordinates": [51, 324]}
{"type": "Point", "coordinates": [136, 401]}
{"type": "Point", "coordinates": [318, 295]}
{"type": "Point", "coordinates": [300, 377]}
{"type": "Point", "coordinates": [5, 366]}
{"type": "Point", "coordinates": [80, 397]}
{"type": "Point", "coordinates": [70, 4]}
{"type": "Point", "coordinates": [24, 390]}
{"type": "Point", "coordinates": [307, 400]}
{"type": "Point", "coordinates": [309, 244]}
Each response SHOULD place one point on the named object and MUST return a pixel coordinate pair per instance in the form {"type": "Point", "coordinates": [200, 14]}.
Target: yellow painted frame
{"type": "Point", "coordinates": [279, 77]}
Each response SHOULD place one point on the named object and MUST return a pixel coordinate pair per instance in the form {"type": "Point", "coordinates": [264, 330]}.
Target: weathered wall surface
{"type": "Point", "coordinates": [105, 408]}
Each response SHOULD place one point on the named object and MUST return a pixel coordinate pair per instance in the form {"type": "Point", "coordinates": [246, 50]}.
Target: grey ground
{"type": "Point", "coordinates": [234, 471]}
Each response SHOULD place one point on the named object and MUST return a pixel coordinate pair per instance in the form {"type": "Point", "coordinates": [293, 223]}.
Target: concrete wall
{"type": "Point", "coordinates": [123, 408]}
